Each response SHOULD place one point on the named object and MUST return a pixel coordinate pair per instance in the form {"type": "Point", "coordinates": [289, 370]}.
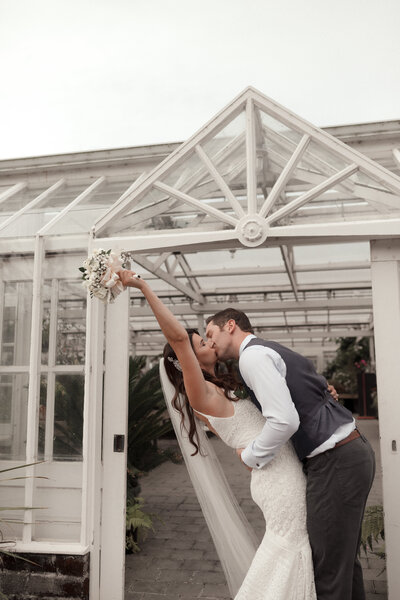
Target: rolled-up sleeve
{"type": "Point", "coordinates": [263, 372]}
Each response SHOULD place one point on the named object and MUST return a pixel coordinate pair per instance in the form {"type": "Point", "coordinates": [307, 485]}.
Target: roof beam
{"type": "Point", "coordinates": [197, 204]}
{"type": "Point", "coordinates": [35, 202]}
{"type": "Point", "coordinates": [396, 155]}
{"type": "Point", "coordinates": [288, 261]}
{"type": "Point", "coordinates": [311, 194]}
{"type": "Point", "coordinates": [155, 338]}
{"type": "Point", "coordinates": [220, 181]}
{"type": "Point", "coordinates": [149, 266]}
{"type": "Point", "coordinates": [251, 153]}
{"type": "Point", "coordinates": [188, 273]}
{"type": "Point", "coordinates": [285, 176]}
{"type": "Point", "coordinates": [263, 307]}
{"type": "Point", "coordinates": [12, 191]}
{"type": "Point", "coordinates": [85, 195]}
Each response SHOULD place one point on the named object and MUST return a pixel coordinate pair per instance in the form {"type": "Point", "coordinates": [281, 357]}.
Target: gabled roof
{"type": "Point", "coordinates": [257, 172]}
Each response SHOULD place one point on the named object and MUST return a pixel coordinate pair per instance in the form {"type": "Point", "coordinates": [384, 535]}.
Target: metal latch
{"type": "Point", "coordinates": [119, 443]}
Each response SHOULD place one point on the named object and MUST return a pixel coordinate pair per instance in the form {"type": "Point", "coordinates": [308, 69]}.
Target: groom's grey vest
{"type": "Point", "coordinates": [320, 415]}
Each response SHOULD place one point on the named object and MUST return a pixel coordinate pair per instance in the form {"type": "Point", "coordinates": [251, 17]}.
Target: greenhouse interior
{"type": "Point", "coordinates": [259, 210]}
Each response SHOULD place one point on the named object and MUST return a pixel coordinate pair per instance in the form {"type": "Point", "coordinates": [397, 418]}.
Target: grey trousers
{"type": "Point", "coordinates": [338, 483]}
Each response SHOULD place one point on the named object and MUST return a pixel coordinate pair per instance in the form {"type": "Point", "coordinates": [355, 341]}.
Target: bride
{"type": "Point", "coordinates": [282, 566]}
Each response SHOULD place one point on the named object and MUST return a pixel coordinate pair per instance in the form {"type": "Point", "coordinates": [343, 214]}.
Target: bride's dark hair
{"type": "Point", "coordinates": [226, 381]}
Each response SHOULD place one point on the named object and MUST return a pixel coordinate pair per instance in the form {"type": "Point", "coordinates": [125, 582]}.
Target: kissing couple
{"type": "Point", "coordinates": [311, 469]}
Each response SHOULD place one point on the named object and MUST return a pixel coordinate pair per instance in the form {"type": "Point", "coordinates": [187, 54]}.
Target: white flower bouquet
{"type": "Point", "coordinates": [100, 274]}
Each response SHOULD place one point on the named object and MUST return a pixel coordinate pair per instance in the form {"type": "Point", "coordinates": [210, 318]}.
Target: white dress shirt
{"type": "Point", "coordinates": [264, 372]}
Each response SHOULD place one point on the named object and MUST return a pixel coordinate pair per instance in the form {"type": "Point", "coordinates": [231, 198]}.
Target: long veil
{"type": "Point", "coordinates": [233, 536]}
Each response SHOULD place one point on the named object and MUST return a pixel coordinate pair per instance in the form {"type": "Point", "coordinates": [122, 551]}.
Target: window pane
{"type": "Point", "coordinates": [17, 309]}
{"type": "Point", "coordinates": [42, 416]}
{"type": "Point", "coordinates": [68, 417]}
{"type": "Point", "coordinates": [71, 323]}
{"type": "Point", "coordinates": [13, 408]}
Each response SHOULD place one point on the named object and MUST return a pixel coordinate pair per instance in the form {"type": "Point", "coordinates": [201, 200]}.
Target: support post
{"type": "Point", "coordinates": [115, 417]}
{"type": "Point", "coordinates": [385, 272]}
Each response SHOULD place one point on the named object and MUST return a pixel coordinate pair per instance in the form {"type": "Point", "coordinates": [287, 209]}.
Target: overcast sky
{"type": "Point", "coordinates": [93, 74]}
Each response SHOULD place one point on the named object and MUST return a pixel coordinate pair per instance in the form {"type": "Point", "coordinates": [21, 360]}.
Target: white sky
{"type": "Point", "coordinates": [93, 74]}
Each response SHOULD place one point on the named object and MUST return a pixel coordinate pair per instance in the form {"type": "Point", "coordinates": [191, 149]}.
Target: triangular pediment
{"type": "Point", "coordinates": [252, 169]}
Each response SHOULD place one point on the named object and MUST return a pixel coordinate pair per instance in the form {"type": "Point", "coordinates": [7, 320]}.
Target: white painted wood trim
{"type": "Point", "coordinates": [92, 470]}
{"type": "Point", "coordinates": [285, 176]}
{"type": "Point", "coordinates": [83, 196]}
{"type": "Point", "coordinates": [12, 191]}
{"type": "Point", "coordinates": [385, 272]}
{"type": "Point", "coordinates": [372, 168]}
{"type": "Point", "coordinates": [35, 202]}
{"type": "Point", "coordinates": [311, 194]}
{"type": "Point", "coordinates": [118, 205]}
{"type": "Point", "coordinates": [202, 206]}
{"type": "Point", "coordinates": [112, 570]}
{"type": "Point", "coordinates": [220, 181]}
{"type": "Point", "coordinates": [148, 265]}
{"type": "Point", "coordinates": [34, 387]}
{"type": "Point", "coordinates": [251, 154]}
{"type": "Point", "coordinates": [215, 124]}
{"type": "Point", "coordinates": [396, 155]}
{"type": "Point", "coordinates": [45, 547]}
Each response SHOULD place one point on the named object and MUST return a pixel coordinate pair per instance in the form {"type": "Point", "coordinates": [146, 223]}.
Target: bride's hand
{"type": "Point", "coordinates": [130, 279]}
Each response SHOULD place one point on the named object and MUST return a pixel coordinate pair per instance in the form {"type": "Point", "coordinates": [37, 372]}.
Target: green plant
{"type": "Point", "coordinates": [373, 529]}
{"type": "Point", "coordinates": [138, 524]}
{"type": "Point", "coordinates": [147, 421]}
{"type": "Point", "coordinates": [352, 357]}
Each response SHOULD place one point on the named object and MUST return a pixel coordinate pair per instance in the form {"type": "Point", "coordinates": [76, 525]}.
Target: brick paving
{"type": "Point", "coordinates": [178, 560]}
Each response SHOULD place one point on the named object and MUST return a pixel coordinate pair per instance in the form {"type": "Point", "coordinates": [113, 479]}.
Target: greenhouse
{"type": "Point", "coordinates": [260, 210]}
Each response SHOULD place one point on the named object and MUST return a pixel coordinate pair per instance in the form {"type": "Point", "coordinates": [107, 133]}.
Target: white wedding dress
{"type": "Point", "coordinates": [282, 566]}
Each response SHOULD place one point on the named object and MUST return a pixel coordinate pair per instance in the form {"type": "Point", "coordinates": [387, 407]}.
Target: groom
{"type": "Point", "coordinates": [338, 460]}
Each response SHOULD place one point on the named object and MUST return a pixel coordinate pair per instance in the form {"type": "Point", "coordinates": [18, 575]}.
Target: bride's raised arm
{"type": "Point", "coordinates": [176, 335]}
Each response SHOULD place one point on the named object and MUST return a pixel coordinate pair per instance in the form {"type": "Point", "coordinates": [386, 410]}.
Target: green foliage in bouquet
{"type": "Point", "coordinates": [352, 357]}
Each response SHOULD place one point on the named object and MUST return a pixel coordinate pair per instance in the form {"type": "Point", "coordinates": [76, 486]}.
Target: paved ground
{"type": "Point", "coordinates": [178, 560]}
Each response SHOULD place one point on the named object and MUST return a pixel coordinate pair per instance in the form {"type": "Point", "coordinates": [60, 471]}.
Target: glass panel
{"type": "Point", "coordinates": [148, 213]}
{"type": "Point", "coordinates": [16, 326]}
{"type": "Point", "coordinates": [276, 143]}
{"type": "Point", "coordinates": [29, 223]}
{"type": "Point", "coordinates": [68, 417]}
{"type": "Point", "coordinates": [155, 210]}
{"type": "Point", "coordinates": [46, 320]}
{"type": "Point", "coordinates": [285, 135]}
{"type": "Point", "coordinates": [227, 151]}
{"type": "Point", "coordinates": [42, 416]}
{"type": "Point", "coordinates": [185, 176]}
{"type": "Point", "coordinates": [13, 411]}
{"type": "Point", "coordinates": [225, 141]}
{"type": "Point", "coordinates": [22, 198]}
{"type": "Point", "coordinates": [82, 217]}
{"type": "Point", "coordinates": [322, 160]}
{"type": "Point", "coordinates": [71, 323]}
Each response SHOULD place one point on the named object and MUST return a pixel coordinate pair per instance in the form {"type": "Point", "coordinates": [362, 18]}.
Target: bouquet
{"type": "Point", "coordinates": [100, 274]}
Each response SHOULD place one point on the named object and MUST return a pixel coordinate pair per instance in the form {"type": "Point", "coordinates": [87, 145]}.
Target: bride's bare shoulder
{"type": "Point", "coordinates": [219, 405]}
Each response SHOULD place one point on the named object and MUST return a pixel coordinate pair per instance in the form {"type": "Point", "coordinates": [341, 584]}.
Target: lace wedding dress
{"type": "Point", "coordinates": [282, 566]}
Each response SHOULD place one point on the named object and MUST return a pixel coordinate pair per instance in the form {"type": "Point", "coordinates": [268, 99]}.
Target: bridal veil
{"type": "Point", "coordinates": [233, 537]}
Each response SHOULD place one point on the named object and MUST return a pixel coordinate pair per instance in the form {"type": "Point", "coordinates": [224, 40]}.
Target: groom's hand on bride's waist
{"type": "Point", "coordinates": [239, 453]}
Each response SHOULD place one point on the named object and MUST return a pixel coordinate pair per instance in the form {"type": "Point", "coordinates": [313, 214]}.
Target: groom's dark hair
{"type": "Point", "coordinates": [223, 316]}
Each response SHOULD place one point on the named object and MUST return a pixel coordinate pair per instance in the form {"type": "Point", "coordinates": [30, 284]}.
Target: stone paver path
{"type": "Point", "coordinates": [178, 560]}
